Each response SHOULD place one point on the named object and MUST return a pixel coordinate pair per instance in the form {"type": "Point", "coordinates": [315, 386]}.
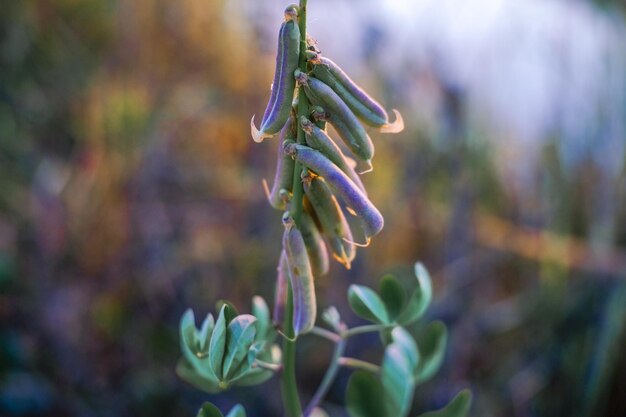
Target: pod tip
{"type": "Point", "coordinates": [396, 127]}
{"type": "Point", "coordinates": [366, 167]}
{"type": "Point", "coordinates": [257, 135]}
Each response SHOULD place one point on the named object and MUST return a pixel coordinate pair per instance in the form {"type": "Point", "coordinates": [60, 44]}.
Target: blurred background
{"type": "Point", "coordinates": [130, 190]}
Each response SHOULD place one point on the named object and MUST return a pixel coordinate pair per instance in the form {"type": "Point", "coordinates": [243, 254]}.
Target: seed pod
{"type": "Point", "coordinates": [301, 277]}
{"type": "Point", "coordinates": [341, 185]}
{"type": "Point", "coordinates": [279, 105]}
{"type": "Point", "coordinates": [315, 246]}
{"type": "Point", "coordinates": [280, 296]}
{"type": "Point", "coordinates": [361, 103]}
{"type": "Point", "coordinates": [319, 140]}
{"type": "Point", "coordinates": [334, 225]}
{"type": "Point", "coordinates": [339, 115]}
{"type": "Point", "coordinates": [283, 177]}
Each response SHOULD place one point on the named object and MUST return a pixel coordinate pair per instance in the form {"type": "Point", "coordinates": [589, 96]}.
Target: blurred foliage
{"type": "Point", "coordinates": [130, 191]}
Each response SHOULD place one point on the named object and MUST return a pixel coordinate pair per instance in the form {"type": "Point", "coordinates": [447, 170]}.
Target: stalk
{"type": "Point", "coordinates": [289, 389]}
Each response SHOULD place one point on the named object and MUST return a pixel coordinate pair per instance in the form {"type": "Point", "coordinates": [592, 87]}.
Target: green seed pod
{"type": "Point", "coordinates": [341, 185]}
{"type": "Point", "coordinates": [319, 140]}
{"type": "Point", "coordinates": [334, 225]}
{"type": "Point", "coordinates": [279, 106]}
{"type": "Point", "coordinates": [283, 177]}
{"type": "Point", "coordinates": [301, 277]}
{"type": "Point", "coordinates": [315, 246]}
{"type": "Point", "coordinates": [339, 115]}
{"type": "Point", "coordinates": [280, 295]}
{"type": "Point", "coordinates": [361, 103]}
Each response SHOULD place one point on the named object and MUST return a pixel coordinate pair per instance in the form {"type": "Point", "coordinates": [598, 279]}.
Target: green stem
{"type": "Point", "coordinates": [329, 377]}
{"type": "Point", "coordinates": [288, 385]}
{"type": "Point", "coordinates": [289, 388]}
{"type": "Point", "coordinates": [366, 329]}
{"type": "Point", "coordinates": [358, 364]}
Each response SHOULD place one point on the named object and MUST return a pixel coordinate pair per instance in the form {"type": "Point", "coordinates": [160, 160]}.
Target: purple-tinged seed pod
{"type": "Point", "coordinates": [283, 177]}
{"type": "Point", "coordinates": [339, 115]}
{"type": "Point", "coordinates": [341, 185]}
{"type": "Point", "coordinates": [317, 139]}
{"type": "Point", "coordinates": [315, 246]}
{"type": "Point", "coordinates": [301, 277]}
{"type": "Point", "coordinates": [280, 295]}
{"type": "Point", "coordinates": [333, 223]}
{"type": "Point", "coordinates": [362, 104]}
{"type": "Point", "coordinates": [279, 106]}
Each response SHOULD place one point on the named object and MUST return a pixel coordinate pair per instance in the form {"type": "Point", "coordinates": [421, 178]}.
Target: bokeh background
{"type": "Point", "coordinates": [130, 189]}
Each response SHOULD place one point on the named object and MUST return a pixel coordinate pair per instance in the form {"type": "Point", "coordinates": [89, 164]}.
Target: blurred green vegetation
{"type": "Point", "coordinates": [130, 190]}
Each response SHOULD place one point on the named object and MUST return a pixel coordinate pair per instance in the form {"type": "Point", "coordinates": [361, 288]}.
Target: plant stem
{"type": "Point", "coordinates": [358, 364]}
{"type": "Point", "coordinates": [289, 388]}
{"type": "Point", "coordinates": [326, 334]}
{"type": "Point", "coordinates": [366, 329]}
{"type": "Point", "coordinates": [327, 381]}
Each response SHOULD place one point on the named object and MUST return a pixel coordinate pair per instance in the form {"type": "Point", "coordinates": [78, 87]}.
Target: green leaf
{"type": "Point", "coordinates": [363, 396]}
{"type": "Point", "coordinates": [204, 336]}
{"type": "Point", "coordinates": [239, 338]}
{"type": "Point", "coordinates": [218, 343]}
{"type": "Point", "coordinates": [264, 328]}
{"type": "Point", "coordinates": [237, 411]}
{"type": "Point", "coordinates": [398, 381]}
{"type": "Point", "coordinates": [188, 374]}
{"type": "Point", "coordinates": [432, 348]}
{"type": "Point", "coordinates": [209, 410]}
{"type": "Point", "coordinates": [404, 340]}
{"type": "Point", "coordinates": [332, 318]}
{"type": "Point", "coordinates": [458, 407]}
{"type": "Point", "coordinates": [420, 299]}
{"type": "Point", "coordinates": [367, 304]}
{"type": "Point", "coordinates": [393, 295]}
{"type": "Point", "coordinates": [231, 311]}
{"type": "Point", "coordinates": [192, 346]}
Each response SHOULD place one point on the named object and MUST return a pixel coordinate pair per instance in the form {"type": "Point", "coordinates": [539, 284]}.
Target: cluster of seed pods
{"type": "Point", "coordinates": [332, 187]}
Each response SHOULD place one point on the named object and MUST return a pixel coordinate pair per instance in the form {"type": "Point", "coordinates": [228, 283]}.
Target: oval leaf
{"type": "Point", "coordinates": [404, 340]}
{"type": "Point", "coordinates": [239, 338]}
{"type": "Point", "coordinates": [432, 348]}
{"type": "Point", "coordinates": [458, 407]}
{"type": "Point", "coordinates": [209, 410]}
{"type": "Point", "coordinates": [230, 312]}
{"type": "Point", "coordinates": [367, 304]}
{"type": "Point", "coordinates": [237, 411]}
{"type": "Point", "coordinates": [261, 311]}
{"type": "Point", "coordinates": [218, 343]}
{"type": "Point", "coordinates": [392, 294]}
{"type": "Point", "coordinates": [398, 381]}
{"type": "Point", "coordinates": [188, 374]}
{"type": "Point", "coordinates": [363, 395]}
{"type": "Point", "coordinates": [420, 299]}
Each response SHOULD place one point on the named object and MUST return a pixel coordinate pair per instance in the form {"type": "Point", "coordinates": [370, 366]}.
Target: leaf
{"type": "Point", "coordinates": [393, 295]}
{"type": "Point", "coordinates": [458, 407]}
{"type": "Point", "coordinates": [404, 340]}
{"type": "Point", "coordinates": [237, 411]}
{"type": "Point", "coordinates": [218, 343]}
{"type": "Point", "coordinates": [209, 410]}
{"type": "Point", "coordinates": [420, 299]}
{"type": "Point", "coordinates": [398, 381]}
{"type": "Point", "coordinates": [432, 348]}
{"type": "Point", "coordinates": [230, 312]}
{"type": "Point", "coordinates": [192, 347]}
{"type": "Point", "coordinates": [363, 395]}
{"type": "Point", "coordinates": [261, 311]}
{"type": "Point", "coordinates": [367, 304]}
{"type": "Point", "coordinates": [239, 338]}
{"type": "Point", "coordinates": [332, 318]}
{"type": "Point", "coordinates": [188, 374]}
{"type": "Point", "coordinates": [204, 336]}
